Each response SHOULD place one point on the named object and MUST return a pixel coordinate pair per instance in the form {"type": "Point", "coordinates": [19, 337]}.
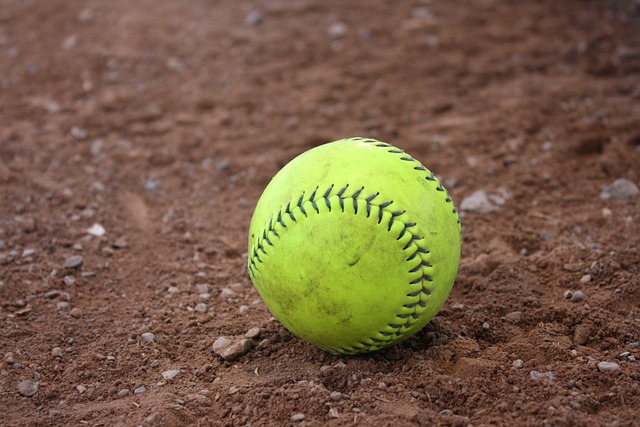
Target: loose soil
{"type": "Point", "coordinates": [164, 120]}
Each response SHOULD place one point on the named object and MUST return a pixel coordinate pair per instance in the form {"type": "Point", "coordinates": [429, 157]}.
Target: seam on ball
{"type": "Point", "coordinates": [418, 267]}
{"type": "Point", "coordinates": [419, 168]}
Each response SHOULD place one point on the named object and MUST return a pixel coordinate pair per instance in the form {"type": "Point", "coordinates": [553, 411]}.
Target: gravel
{"type": "Point", "coordinates": [74, 261]}
{"type": "Point", "coordinates": [148, 337]}
{"type": "Point", "coordinates": [477, 202]}
{"type": "Point", "coordinates": [608, 367]}
{"type": "Point", "coordinates": [620, 189]}
{"type": "Point", "coordinates": [27, 388]}
{"type": "Point", "coordinates": [297, 418]}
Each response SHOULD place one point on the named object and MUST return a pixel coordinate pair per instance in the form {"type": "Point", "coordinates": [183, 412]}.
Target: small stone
{"type": "Point", "coordinates": [236, 350]}
{"type": "Point", "coordinates": [620, 189]}
{"type": "Point", "coordinates": [338, 30]}
{"type": "Point", "coordinates": [201, 307]}
{"type": "Point", "coordinates": [297, 418]}
{"type": "Point", "coordinates": [546, 236]}
{"type": "Point", "coordinates": [107, 251]}
{"type": "Point", "coordinates": [573, 353]}
{"type": "Point", "coordinates": [170, 374]}
{"type": "Point", "coordinates": [634, 344]}
{"type": "Point", "coordinates": [75, 313]}
{"type": "Point", "coordinates": [148, 337]}
{"type": "Point", "coordinates": [608, 367]}
{"type": "Point", "coordinates": [27, 388]}
{"type": "Point", "coordinates": [202, 288]}
{"type": "Point", "coordinates": [74, 261]}
{"type": "Point", "coordinates": [221, 343]}
{"type": "Point", "coordinates": [78, 133]}
{"type": "Point", "coordinates": [56, 352]}
{"type": "Point", "coordinates": [54, 293]}
{"type": "Point", "coordinates": [123, 393]}
{"type": "Point", "coordinates": [121, 243]}
{"type": "Point", "coordinates": [28, 252]}
{"type": "Point", "coordinates": [486, 326]}
{"type": "Point", "coordinates": [477, 202]}
{"type": "Point", "coordinates": [62, 305]}
{"type": "Point", "coordinates": [68, 280]}
{"type": "Point", "coordinates": [535, 375]}
{"type": "Point", "coordinates": [515, 317]}
{"type": "Point", "coordinates": [139, 390]}
{"type": "Point", "coordinates": [517, 364]}
{"type": "Point", "coordinates": [96, 230]}
{"type": "Point", "coordinates": [382, 386]}
{"type": "Point", "coordinates": [81, 389]}
{"type": "Point", "coordinates": [585, 279]}
{"type": "Point", "coordinates": [253, 333]}
{"type": "Point", "coordinates": [254, 18]}
{"type": "Point", "coordinates": [243, 309]}
{"type": "Point", "coordinates": [577, 296]}
{"type": "Point", "coordinates": [567, 294]}
{"type": "Point", "coordinates": [336, 396]}
{"type": "Point", "coordinates": [227, 293]}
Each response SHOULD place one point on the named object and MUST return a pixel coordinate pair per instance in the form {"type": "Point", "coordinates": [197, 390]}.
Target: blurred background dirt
{"type": "Point", "coordinates": [162, 122]}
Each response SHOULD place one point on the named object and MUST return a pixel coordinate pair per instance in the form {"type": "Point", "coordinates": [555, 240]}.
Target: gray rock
{"type": "Point", "coordinates": [477, 202]}
{"type": "Point", "coordinates": [28, 252]}
{"type": "Point", "coordinates": [620, 189]}
{"type": "Point", "coordinates": [517, 364]}
{"type": "Point", "coordinates": [201, 307]}
{"type": "Point", "coordinates": [81, 389]}
{"type": "Point", "coordinates": [221, 343]}
{"type": "Point", "coordinates": [237, 350]}
{"type": "Point", "coordinates": [123, 393]}
{"type": "Point", "coordinates": [56, 352]}
{"type": "Point", "coordinates": [139, 390]}
{"type": "Point", "coordinates": [27, 388]}
{"type": "Point", "coordinates": [253, 333]}
{"type": "Point", "coordinates": [53, 293]}
{"type": "Point", "coordinates": [535, 375]}
{"type": "Point", "coordinates": [62, 305]}
{"type": "Point", "coordinates": [297, 418]}
{"type": "Point", "coordinates": [608, 367]}
{"type": "Point", "coordinates": [338, 30]}
{"type": "Point", "coordinates": [202, 288]}
{"type": "Point", "coordinates": [336, 396]}
{"type": "Point", "coordinates": [254, 18]}
{"type": "Point", "coordinates": [577, 296]}
{"type": "Point", "coordinates": [171, 374]}
{"type": "Point", "coordinates": [74, 261]}
{"type": "Point", "coordinates": [76, 313]}
{"type": "Point", "coordinates": [148, 337]}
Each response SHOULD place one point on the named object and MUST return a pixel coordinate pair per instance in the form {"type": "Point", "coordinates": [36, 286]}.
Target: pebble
{"type": "Point", "coordinates": [221, 343]}
{"type": "Point", "coordinates": [515, 317]}
{"type": "Point", "coordinates": [336, 396]}
{"type": "Point", "coordinates": [338, 30]}
{"type": "Point", "coordinates": [585, 279]}
{"type": "Point", "coordinates": [243, 309]}
{"type": "Point", "coordinates": [171, 374]}
{"type": "Point", "coordinates": [202, 288]}
{"type": "Point", "coordinates": [121, 243]}
{"type": "Point", "coordinates": [148, 337]}
{"type": "Point", "coordinates": [535, 375]}
{"type": "Point", "coordinates": [486, 325]}
{"type": "Point", "coordinates": [81, 389]}
{"type": "Point", "coordinates": [254, 18]}
{"type": "Point", "coordinates": [75, 313]}
{"type": "Point", "coordinates": [236, 350]}
{"type": "Point", "coordinates": [297, 417]}
{"type": "Point", "coordinates": [96, 230]}
{"type": "Point", "coordinates": [517, 364]}
{"type": "Point", "coordinates": [608, 367]}
{"type": "Point", "coordinates": [27, 388]}
{"type": "Point", "coordinates": [634, 344]}
{"type": "Point", "coordinates": [201, 307]}
{"type": "Point", "coordinates": [54, 293]}
{"type": "Point", "coordinates": [28, 252]}
{"type": "Point", "coordinates": [382, 386]}
{"type": "Point", "coordinates": [477, 202]}
{"type": "Point", "coordinates": [69, 280]}
{"type": "Point", "coordinates": [56, 352]}
{"type": "Point", "coordinates": [545, 236]}
{"type": "Point", "coordinates": [74, 261]}
{"type": "Point", "coordinates": [62, 305]}
{"type": "Point", "coordinates": [620, 189]}
{"type": "Point", "coordinates": [253, 333]}
{"type": "Point", "coordinates": [123, 393]}
{"type": "Point", "coordinates": [78, 132]}
{"type": "Point", "coordinates": [577, 296]}
{"type": "Point", "coordinates": [139, 390]}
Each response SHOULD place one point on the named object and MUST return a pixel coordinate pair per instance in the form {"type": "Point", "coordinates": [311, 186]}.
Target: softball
{"type": "Point", "coordinates": [354, 246]}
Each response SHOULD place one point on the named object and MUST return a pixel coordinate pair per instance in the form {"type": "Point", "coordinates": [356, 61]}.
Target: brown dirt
{"type": "Point", "coordinates": [536, 102]}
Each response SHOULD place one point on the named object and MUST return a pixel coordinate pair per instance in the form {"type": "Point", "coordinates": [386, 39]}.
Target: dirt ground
{"type": "Point", "coordinates": [162, 121]}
